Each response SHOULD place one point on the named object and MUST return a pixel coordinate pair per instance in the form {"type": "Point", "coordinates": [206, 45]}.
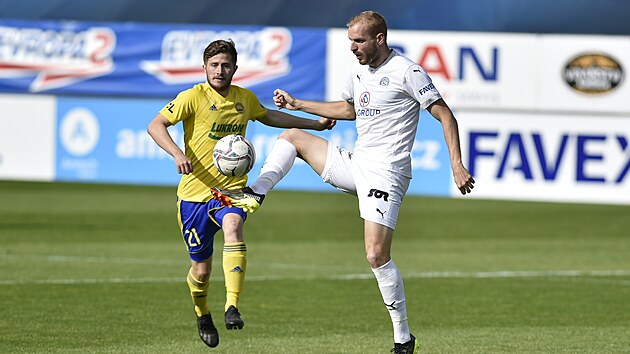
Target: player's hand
{"type": "Point", "coordinates": [327, 123]}
{"type": "Point", "coordinates": [283, 99]}
{"type": "Point", "coordinates": [464, 181]}
{"type": "Point", "coordinates": [183, 164]}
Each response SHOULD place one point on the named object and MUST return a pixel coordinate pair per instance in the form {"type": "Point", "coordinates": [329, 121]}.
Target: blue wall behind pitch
{"type": "Point", "coordinates": [533, 16]}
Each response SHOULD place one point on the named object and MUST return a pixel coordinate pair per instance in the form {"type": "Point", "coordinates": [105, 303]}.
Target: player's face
{"type": "Point", "coordinates": [362, 44]}
{"type": "Point", "coordinates": [219, 71]}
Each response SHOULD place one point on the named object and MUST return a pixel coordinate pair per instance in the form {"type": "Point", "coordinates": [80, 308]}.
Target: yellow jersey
{"type": "Point", "coordinates": [207, 117]}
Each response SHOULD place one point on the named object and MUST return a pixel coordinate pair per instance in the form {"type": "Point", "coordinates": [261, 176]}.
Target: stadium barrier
{"type": "Point", "coordinates": [542, 117]}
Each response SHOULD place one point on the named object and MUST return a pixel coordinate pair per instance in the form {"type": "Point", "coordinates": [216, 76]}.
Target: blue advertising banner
{"type": "Point", "coordinates": [104, 140]}
{"type": "Point", "coordinates": [150, 60]}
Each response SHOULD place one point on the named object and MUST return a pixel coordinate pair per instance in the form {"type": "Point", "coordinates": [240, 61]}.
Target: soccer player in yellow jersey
{"type": "Point", "coordinates": [210, 111]}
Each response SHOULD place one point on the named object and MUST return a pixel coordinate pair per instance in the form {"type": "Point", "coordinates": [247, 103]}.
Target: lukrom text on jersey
{"type": "Point", "coordinates": [227, 128]}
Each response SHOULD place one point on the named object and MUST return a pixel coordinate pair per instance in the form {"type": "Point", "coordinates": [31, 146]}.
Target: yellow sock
{"type": "Point", "coordinates": [199, 294]}
{"type": "Point", "coordinates": [234, 266]}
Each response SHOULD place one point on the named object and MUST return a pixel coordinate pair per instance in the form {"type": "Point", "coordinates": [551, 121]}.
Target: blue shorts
{"type": "Point", "coordinates": [199, 222]}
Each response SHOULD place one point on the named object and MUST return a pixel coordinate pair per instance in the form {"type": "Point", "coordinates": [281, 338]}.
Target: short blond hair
{"type": "Point", "coordinates": [374, 21]}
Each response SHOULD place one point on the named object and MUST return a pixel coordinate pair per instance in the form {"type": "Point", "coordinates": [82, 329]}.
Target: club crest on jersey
{"type": "Point", "coordinates": [239, 107]}
{"type": "Point", "coordinates": [364, 100]}
{"type": "Point", "coordinates": [384, 81]}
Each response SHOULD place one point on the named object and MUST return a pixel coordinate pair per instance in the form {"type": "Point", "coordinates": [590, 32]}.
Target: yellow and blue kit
{"type": "Point", "coordinates": [207, 117]}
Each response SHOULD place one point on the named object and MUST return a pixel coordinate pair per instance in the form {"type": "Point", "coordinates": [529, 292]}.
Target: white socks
{"type": "Point", "coordinates": [276, 166]}
{"type": "Point", "coordinates": [393, 291]}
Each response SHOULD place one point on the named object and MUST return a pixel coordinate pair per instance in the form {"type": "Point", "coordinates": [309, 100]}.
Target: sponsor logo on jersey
{"type": "Point", "coordinates": [378, 194]}
{"type": "Point", "coordinates": [364, 99]}
{"type": "Point", "coordinates": [367, 112]}
{"type": "Point", "coordinates": [262, 55]}
{"type": "Point", "coordinates": [225, 128]}
{"type": "Point", "coordinates": [56, 58]}
{"type": "Point", "coordinates": [593, 73]}
{"type": "Point", "coordinates": [427, 88]}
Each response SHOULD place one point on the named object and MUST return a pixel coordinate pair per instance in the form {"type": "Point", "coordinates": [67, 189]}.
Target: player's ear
{"type": "Point", "coordinates": [380, 38]}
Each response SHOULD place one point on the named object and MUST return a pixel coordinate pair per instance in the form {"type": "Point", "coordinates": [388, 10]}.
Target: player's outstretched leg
{"type": "Point", "coordinates": [411, 347]}
{"type": "Point", "coordinates": [243, 198]}
{"type": "Point", "coordinates": [207, 331]}
{"type": "Point", "coordinates": [233, 319]}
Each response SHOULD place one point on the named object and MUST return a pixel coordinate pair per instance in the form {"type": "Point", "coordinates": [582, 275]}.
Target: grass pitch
{"type": "Point", "coordinates": [101, 269]}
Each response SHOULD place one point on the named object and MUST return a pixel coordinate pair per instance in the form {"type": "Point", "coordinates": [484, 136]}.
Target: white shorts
{"type": "Point", "coordinates": [380, 191]}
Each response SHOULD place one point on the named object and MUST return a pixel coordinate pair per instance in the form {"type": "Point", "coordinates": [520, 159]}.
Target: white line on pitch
{"type": "Point", "coordinates": [149, 261]}
{"type": "Point", "coordinates": [297, 266]}
{"type": "Point", "coordinates": [416, 275]}
{"type": "Point", "coordinates": [88, 259]}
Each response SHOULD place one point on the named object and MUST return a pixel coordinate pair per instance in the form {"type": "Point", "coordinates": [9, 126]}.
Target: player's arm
{"type": "Point", "coordinates": [283, 120]}
{"type": "Point", "coordinates": [440, 110]}
{"type": "Point", "coordinates": [157, 129]}
{"type": "Point", "coordinates": [342, 110]}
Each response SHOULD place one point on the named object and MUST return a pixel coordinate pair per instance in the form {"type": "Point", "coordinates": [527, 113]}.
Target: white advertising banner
{"type": "Point", "coordinates": [469, 69]}
{"type": "Point", "coordinates": [547, 157]}
{"type": "Point", "coordinates": [584, 73]}
{"type": "Point", "coordinates": [27, 137]}
{"type": "Point", "coordinates": [507, 71]}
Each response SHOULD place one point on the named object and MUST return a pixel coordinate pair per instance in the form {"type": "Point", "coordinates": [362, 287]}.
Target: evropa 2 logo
{"type": "Point", "coordinates": [56, 58]}
{"type": "Point", "coordinates": [262, 55]}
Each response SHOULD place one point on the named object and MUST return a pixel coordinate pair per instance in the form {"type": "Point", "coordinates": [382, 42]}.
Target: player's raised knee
{"type": "Point", "coordinates": [291, 135]}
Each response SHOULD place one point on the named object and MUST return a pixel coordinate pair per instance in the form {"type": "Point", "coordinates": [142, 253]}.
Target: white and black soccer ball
{"type": "Point", "coordinates": [234, 155]}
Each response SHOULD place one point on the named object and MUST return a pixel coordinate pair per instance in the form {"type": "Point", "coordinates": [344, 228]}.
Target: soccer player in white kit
{"type": "Point", "coordinates": [384, 94]}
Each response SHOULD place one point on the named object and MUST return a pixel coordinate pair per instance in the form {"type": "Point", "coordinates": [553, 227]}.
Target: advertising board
{"type": "Point", "coordinates": [27, 137]}
{"type": "Point", "coordinates": [548, 157]}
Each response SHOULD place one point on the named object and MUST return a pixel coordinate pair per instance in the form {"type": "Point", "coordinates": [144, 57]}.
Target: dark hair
{"type": "Point", "coordinates": [218, 47]}
{"type": "Point", "coordinates": [374, 21]}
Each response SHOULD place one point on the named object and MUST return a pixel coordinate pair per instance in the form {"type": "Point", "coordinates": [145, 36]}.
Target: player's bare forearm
{"type": "Point", "coordinates": [341, 110]}
{"type": "Point", "coordinates": [462, 177]}
{"type": "Point", "coordinates": [283, 120]}
{"type": "Point", "coordinates": [440, 111]}
{"type": "Point", "coordinates": [451, 136]}
{"type": "Point", "coordinates": [157, 129]}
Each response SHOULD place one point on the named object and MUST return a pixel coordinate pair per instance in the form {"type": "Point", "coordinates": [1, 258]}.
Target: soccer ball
{"type": "Point", "coordinates": [234, 155]}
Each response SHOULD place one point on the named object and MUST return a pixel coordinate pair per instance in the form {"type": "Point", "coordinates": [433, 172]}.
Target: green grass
{"type": "Point", "coordinates": [100, 269]}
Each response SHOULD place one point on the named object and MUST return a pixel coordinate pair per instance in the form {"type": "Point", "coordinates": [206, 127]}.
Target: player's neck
{"type": "Point", "coordinates": [382, 57]}
{"type": "Point", "coordinates": [224, 92]}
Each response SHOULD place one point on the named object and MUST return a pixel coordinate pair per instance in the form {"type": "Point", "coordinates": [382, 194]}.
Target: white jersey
{"type": "Point", "coordinates": [387, 102]}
